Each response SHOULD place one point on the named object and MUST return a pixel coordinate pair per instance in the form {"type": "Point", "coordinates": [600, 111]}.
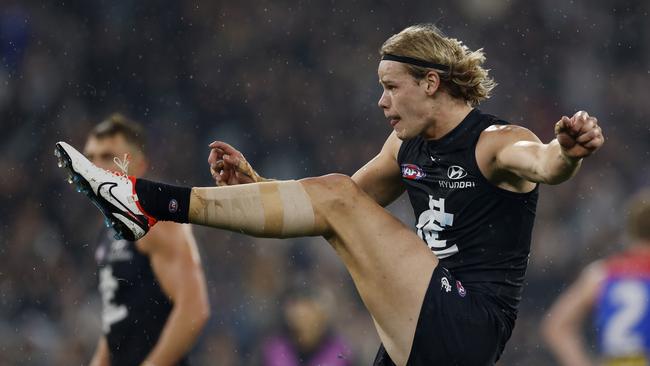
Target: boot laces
{"type": "Point", "coordinates": [122, 164]}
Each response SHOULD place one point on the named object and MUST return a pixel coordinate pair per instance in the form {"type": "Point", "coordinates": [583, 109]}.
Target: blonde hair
{"type": "Point", "coordinates": [638, 222]}
{"type": "Point", "coordinates": [467, 79]}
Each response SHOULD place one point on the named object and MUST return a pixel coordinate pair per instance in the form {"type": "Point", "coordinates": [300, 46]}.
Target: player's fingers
{"type": "Point", "coordinates": [213, 156]}
{"type": "Point", "coordinates": [595, 143]}
{"type": "Point", "coordinates": [580, 119]}
{"type": "Point", "coordinates": [225, 147]}
{"type": "Point", "coordinates": [238, 162]}
{"type": "Point", "coordinates": [562, 125]}
{"type": "Point", "coordinates": [219, 165]}
{"type": "Point", "coordinates": [598, 135]}
{"type": "Point", "coordinates": [216, 176]}
{"type": "Point", "coordinates": [581, 115]}
{"type": "Point", "coordinates": [216, 143]}
{"type": "Point", "coordinates": [587, 136]}
{"type": "Point", "coordinates": [230, 159]}
{"type": "Point", "coordinates": [222, 146]}
{"type": "Point", "coordinates": [579, 125]}
{"type": "Point", "coordinates": [587, 125]}
{"type": "Point", "coordinates": [229, 162]}
{"type": "Point", "coordinates": [242, 168]}
{"type": "Point", "coordinates": [225, 174]}
{"type": "Point", "coordinates": [234, 179]}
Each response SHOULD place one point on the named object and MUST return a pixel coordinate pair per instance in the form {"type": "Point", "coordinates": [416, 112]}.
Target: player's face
{"type": "Point", "coordinates": [404, 101]}
{"type": "Point", "coordinates": [102, 151]}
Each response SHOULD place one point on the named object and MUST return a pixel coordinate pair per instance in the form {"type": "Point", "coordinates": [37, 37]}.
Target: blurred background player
{"type": "Point", "coordinates": [309, 338]}
{"type": "Point", "coordinates": [617, 290]}
{"type": "Point", "coordinates": [154, 300]}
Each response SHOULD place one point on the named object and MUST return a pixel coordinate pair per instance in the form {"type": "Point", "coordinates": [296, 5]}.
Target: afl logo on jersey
{"type": "Point", "coordinates": [456, 172]}
{"type": "Point", "coordinates": [412, 172]}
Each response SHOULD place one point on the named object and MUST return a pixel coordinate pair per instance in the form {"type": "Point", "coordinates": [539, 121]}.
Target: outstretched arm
{"type": "Point", "coordinates": [380, 177]}
{"type": "Point", "coordinates": [563, 325]}
{"type": "Point", "coordinates": [524, 155]}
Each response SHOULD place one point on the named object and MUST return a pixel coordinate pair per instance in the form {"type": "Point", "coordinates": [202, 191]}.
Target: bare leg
{"type": "Point", "coordinates": [389, 264]}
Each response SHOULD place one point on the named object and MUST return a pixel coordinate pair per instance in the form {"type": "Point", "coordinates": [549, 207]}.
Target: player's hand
{"type": "Point", "coordinates": [579, 136]}
{"type": "Point", "coordinates": [229, 167]}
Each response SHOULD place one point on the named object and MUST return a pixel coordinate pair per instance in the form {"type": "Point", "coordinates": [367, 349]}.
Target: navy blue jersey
{"type": "Point", "coordinates": [479, 232]}
{"type": "Point", "coordinates": [134, 308]}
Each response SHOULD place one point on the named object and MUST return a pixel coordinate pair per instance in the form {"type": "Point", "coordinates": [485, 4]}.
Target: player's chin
{"type": "Point", "coordinates": [400, 134]}
{"type": "Point", "coordinates": [403, 133]}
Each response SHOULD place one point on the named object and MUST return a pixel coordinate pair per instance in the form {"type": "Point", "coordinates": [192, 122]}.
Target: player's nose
{"type": "Point", "coordinates": [384, 101]}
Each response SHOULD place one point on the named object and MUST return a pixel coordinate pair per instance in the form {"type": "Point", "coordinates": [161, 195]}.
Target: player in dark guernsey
{"type": "Point", "coordinates": [617, 290]}
{"type": "Point", "coordinates": [154, 300]}
{"type": "Point", "coordinates": [446, 294]}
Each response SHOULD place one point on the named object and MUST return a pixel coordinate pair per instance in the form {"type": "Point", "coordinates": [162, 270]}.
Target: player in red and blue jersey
{"type": "Point", "coordinates": [617, 289]}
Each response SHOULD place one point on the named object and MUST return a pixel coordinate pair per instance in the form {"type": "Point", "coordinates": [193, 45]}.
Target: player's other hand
{"type": "Point", "coordinates": [229, 167]}
{"type": "Point", "coordinates": [579, 136]}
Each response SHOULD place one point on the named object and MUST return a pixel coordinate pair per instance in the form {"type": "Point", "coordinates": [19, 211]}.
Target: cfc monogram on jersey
{"type": "Point", "coordinates": [479, 232]}
{"type": "Point", "coordinates": [431, 223]}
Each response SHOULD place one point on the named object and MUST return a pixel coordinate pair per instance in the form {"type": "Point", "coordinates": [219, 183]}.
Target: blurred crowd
{"type": "Point", "coordinates": [293, 85]}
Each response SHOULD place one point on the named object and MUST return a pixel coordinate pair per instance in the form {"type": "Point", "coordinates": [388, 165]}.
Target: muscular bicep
{"type": "Point", "coordinates": [522, 159]}
{"type": "Point", "coordinates": [380, 178]}
{"type": "Point", "coordinates": [519, 152]}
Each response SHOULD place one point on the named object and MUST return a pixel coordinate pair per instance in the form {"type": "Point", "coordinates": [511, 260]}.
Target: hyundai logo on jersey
{"type": "Point", "coordinates": [412, 171]}
{"type": "Point", "coordinates": [456, 172]}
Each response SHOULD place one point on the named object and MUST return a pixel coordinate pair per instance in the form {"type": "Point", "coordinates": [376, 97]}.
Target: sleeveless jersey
{"type": "Point", "coordinates": [623, 306]}
{"type": "Point", "coordinates": [134, 308]}
{"type": "Point", "coordinates": [479, 232]}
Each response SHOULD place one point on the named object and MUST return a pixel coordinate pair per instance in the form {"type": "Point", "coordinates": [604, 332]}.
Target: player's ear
{"type": "Point", "coordinates": [432, 82]}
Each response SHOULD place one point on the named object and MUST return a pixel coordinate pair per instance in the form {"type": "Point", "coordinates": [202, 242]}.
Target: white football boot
{"type": "Point", "coordinates": [113, 193]}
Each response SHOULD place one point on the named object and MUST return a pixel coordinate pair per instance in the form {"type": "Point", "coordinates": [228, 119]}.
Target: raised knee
{"type": "Point", "coordinates": [332, 189]}
{"type": "Point", "coordinates": [331, 196]}
{"type": "Point", "coordinates": [339, 185]}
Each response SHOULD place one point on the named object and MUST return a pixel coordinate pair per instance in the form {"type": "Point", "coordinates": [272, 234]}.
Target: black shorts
{"type": "Point", "coordinates": [455, 327]}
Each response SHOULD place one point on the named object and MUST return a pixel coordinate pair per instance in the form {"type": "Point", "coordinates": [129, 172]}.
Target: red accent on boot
{"type": "Point", "coordinates": [150, 219]}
